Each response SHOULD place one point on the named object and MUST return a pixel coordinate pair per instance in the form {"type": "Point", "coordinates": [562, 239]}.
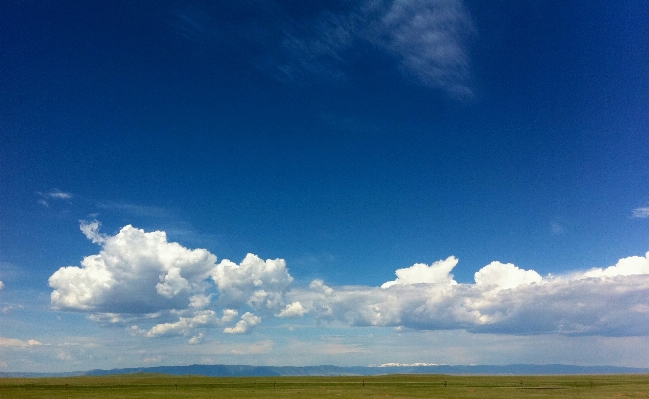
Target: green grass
{"type": "Point", "coordinates": [384, 387]}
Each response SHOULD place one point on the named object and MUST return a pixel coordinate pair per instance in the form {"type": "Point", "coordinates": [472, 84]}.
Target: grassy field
{"type": "Point", "coordinates": [391, 386]}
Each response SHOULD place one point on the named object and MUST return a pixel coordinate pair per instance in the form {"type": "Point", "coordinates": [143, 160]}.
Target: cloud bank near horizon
{"type": "Point", "coordinates": [159, 288]}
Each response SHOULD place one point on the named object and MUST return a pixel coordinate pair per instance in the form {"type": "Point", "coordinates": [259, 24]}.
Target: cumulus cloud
{"type": "Point", "coordinates": [505, 276]}
{"type": "Point", "coordinates": [642, 212]}
{"type": "Point", "coordinates": [294, 309]}
{"type": "Point", "coordinates": [229, 315]}
{"type": "Point", "coordinates": [255, 282]}
{"type": "Point", "coordinates": [160, 288]}
{"type": "Point", "coordinates": [184, 325]}
{"type": "Point", "coordinates": [504, 299]}
{"type": "Point", "coordinates": [245, 325]}
{"type": "Point", "coordinates": [437, 273]}
{"type": "Point", "coordinates": [135, 272]}
{"type": "Point", "coordinates": [197, 339]}
{"type": "Point", "coordinates": [199, 301]}
{"type": "Point", "coordinates": [141, 277]}
{"type": "Point", "coordinates": [625, 267]}
{"type": "Point", "coordinates": [319, 286]}
{"type": "Point", "coordinates": [91, 231]}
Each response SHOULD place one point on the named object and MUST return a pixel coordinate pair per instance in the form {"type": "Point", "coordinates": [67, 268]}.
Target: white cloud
{"type": "Point", "coordinates": [505, 276]}
{"type": "Point", "coordinates": [135, 272]}
{"type": "Point", "coordinates": [320, 49]}
{"type": "Point", "coordinates": [437, 273]}
{"type": "Point", "coordinates": [199, 301]}
{"type": "Point", "coordinates": [58, 194]}
{"type": "Point", "coordinates": [140, 277]}
{"type": "Point", "coordinates": [107, 318]}
{"type": "Point", "coordinates": [2, 285]}
{"type": "Point", "coordinates": [13, 342]}
{"type": "Point", "coordinates": [642, 212]}
{"type": "Point", "coordinates": [160, 288]}
{"type": "Point", "coordinates": [504, 299]}
{"type": "Point", "coordinates": [229, 315]}
{"type": "Point", "coordinates": [294, 309]}
{"type": "Point", "coordinates": [428, 37]}
{"type": "Point", "coordinates": [184, 325]}
{"type": "Point", "coordinates": [255, 282]}
{"type": "Point", "coordinates": [91, 231]}
{"type": "Point", "coordinates": [196, 339]}
{"type": "Point", "coordinates": [54, 194]}
{"type": "Point", "coordinates": [245, 325]}
{"type": "Point", "coordinates": [319, 286]}
{"type": "Point", "coordinates": [632, 265]}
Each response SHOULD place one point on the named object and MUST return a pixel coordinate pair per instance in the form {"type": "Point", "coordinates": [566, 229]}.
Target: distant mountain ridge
{"type": "Point", "coordinates": [221, 370]}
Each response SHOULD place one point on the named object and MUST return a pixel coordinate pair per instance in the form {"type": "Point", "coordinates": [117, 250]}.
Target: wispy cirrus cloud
{"type": "Point", "coordinates": [57, 194]}
{"type": "Point", "coordinates": [54, 194]}
{"type": "Point", "coordinates": [427, 39]}
{"type": "Point", "coordinates": [642, 212]}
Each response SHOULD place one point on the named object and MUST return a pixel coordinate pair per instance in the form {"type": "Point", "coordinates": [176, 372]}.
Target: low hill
{"type": "Point", "coordinates": [220, 370]}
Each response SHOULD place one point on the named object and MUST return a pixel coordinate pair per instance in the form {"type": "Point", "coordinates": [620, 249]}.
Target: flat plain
{"type": "Point", "coordinates": [385, 387]}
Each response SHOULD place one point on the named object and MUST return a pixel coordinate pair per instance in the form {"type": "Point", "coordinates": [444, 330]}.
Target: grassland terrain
{"type": "Point", "coordinates": [384, 387]}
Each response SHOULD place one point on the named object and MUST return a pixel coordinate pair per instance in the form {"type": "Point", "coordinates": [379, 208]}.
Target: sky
{"type": "Point", "coordinates": [347, 182]}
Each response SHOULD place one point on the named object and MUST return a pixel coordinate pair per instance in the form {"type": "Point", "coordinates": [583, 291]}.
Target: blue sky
{"type": "Point", "coordinates": [347, 182]}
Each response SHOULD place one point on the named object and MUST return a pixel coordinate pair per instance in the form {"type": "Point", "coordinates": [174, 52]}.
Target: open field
{"type": "Point", "coordinates": [390, 386]}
